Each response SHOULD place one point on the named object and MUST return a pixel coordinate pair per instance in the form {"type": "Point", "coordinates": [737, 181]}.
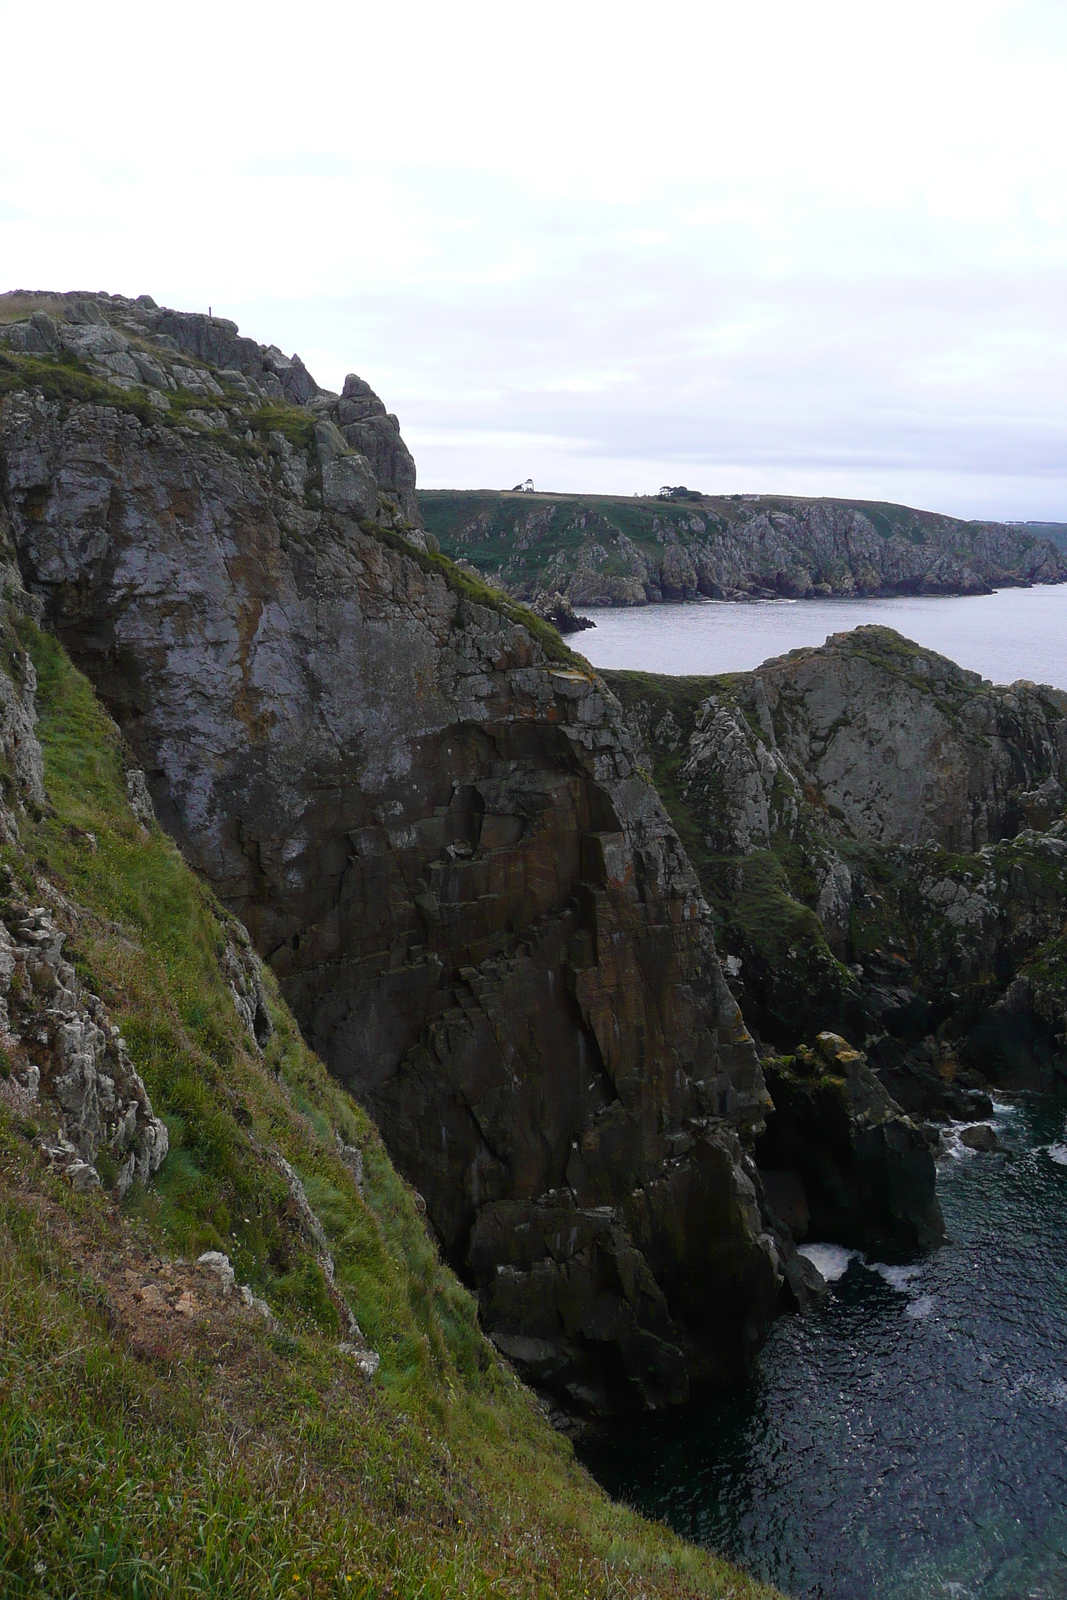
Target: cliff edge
{"type": "Point", "coordinates": [429, 816]}
{"type": "Point", "coordinates": [883, 836]}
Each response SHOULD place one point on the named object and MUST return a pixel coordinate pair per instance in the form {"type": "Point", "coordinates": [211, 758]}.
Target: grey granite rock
{"type": "Point", "coordinates": [886, 842]}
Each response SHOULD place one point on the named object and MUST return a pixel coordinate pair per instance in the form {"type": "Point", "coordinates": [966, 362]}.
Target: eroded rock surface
{"type": "Point", "coordinates": [63, 1062]}
{"type": "Point", "coordinates": [199, 371]}
{"type": "Point", "coordinates": [884, 838]}
{"type": "Point", "coordinates": [430, 819]}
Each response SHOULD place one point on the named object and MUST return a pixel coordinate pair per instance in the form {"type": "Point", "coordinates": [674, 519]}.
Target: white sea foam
{"type": "Point", "coordinates": [832, 1260]}
{"type": "Point", "coordinates": [1057, 1153]}
{"type": "Point", "coordinates": [897, 1277]}
{"type": "Point", "coordinates": [1053, 1393]}
{"type": "Point", "coordinates": [921, 1307]}
{"type": "Point", "coordinates": [1004, 1108]}
{"type": "Point", "coordinates": [951, 1144]}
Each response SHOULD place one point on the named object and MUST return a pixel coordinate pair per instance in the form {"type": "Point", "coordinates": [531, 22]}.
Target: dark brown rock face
{"type": "Point", "coordinates": [867, 1172]}
{"type": "Point", "coordinates": [436, 834]}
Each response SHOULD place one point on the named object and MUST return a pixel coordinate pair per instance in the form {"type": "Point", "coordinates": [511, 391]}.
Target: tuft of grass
{"type": "Point", "coordinates": [296, 424]}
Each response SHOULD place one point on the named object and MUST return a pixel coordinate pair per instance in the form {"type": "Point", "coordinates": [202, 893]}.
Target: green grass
{"type": "Point", "coordinates": [235, 1461]}
{"type": "Point", "coordinates": [293, 422]}
{"type": "Point", "coordinates": [66, 379]}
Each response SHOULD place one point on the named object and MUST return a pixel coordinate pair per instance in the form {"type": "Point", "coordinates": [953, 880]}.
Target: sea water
{"type": "Point", "coordinates": [908, 1439]}
{"type": "Point", "coordinates": [1015, 633]}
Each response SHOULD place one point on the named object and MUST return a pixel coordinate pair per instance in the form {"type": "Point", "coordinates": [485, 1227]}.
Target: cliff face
{"type": "Point", "coordinates": [430, 819]}
{"type": "Point", "coordinates": [884, 836]}
{"type": "Point", "coordinates": [217, 1304]}
{"type": "Point", "coordinates": [599, 550]}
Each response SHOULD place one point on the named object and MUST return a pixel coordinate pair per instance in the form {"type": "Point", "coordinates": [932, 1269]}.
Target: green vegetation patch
{"type": "Point", "coordinates": [67, 379]}
{"type": "Point", "coordinates": [295, 423]}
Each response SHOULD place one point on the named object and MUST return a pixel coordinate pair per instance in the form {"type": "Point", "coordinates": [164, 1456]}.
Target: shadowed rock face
{"type": "Point", "coordinates": [436, 834]}
{"type": "Point", "coordinates": [866, 1172]}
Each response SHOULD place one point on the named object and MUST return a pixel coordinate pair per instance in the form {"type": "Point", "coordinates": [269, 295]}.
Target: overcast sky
{"type": "Point", "coordinates": [811, 247]}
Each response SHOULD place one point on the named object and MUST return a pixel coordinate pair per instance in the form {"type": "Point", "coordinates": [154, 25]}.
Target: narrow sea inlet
{"type": "Point", "coordinates": [908, 1440]}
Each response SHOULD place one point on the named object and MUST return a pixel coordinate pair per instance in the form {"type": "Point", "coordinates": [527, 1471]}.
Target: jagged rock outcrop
{"type": "Point", "coordinates": [884, 837]}
{"type": "Point", "coordinates": [867, 1172]}
{"type": "Point", "coordinates": [173, 358]}
{"type": "Point", "coordinates": [430, 819]}
{"type": "Point", "coordinates": [557, 609]}
{"type": "Point", "coordinates": [62, 1059]}
{"type": "Point", "coordinates": [603, 550]}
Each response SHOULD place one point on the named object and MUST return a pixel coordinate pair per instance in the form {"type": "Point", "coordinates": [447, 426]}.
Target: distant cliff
{"type": "Point", "coordinates": [604, 550]}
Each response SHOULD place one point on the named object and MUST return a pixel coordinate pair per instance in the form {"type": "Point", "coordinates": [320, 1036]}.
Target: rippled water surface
{"type": "Point", "coordinates": [1017, 633]}
{"type": "Point", "coordinates": [909, 1439]}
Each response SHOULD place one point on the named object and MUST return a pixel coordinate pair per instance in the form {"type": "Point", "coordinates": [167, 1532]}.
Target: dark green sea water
{"type": "Point", "coordinates": [908, 1440]}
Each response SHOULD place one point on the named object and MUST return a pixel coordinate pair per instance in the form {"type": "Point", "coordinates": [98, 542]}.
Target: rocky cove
{"type": "Point", "coordinates": [906, 1440]}
{"type": "Point", "coordinates": [644, 981]}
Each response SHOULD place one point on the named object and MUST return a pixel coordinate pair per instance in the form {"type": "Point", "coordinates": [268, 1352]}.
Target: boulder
{"type": "Point", "coordinates": [869, 1179]}
{"type": "Point", "coordinates": [982, 1137]}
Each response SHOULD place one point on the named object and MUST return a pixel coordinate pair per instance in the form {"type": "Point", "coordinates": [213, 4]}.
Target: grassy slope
{"type": "Point", "coordinates": [224, 1457]}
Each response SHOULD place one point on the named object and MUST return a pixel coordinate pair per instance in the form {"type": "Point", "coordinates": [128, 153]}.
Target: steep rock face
{"type": "Point", "coordinates": [436, 834]}
{"type": "Point", "coordinates": [176, 357]}
{"type": "Point", "coordinates": [866, 1171]}
{"type": "Point", "coordinates": [601, 550]}
{"type": "Point", "coordinates": [882, 834]}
